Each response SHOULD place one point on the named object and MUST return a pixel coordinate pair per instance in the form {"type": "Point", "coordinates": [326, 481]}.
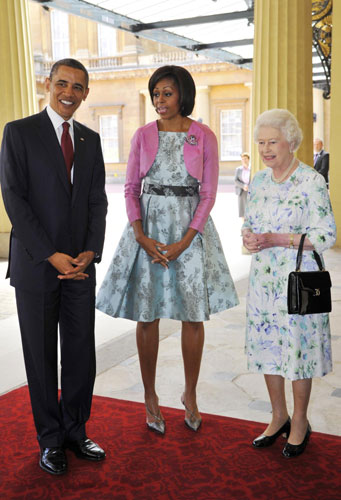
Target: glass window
{"type": "Point", "coordinates": [230, 134]}
{"type": "Point", "coordinates": [109, 137]}
{"type": "Point", "coordinates": [60, 34]}
{"type": "Point", "coordinates": [106, 40]}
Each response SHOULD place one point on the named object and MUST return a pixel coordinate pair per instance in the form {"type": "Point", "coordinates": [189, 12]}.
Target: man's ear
{"type": "Point", "coordinates": [47, 84]}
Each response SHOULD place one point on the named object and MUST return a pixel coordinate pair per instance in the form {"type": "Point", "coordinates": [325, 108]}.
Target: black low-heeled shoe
{"type": "Point", "coordinates": [263, 441]}
{"type": "Point", "coordinates": [293, 450]}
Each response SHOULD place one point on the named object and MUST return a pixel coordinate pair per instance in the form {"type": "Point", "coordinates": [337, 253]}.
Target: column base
{"type": "Point", "coordinates": [4, 245]}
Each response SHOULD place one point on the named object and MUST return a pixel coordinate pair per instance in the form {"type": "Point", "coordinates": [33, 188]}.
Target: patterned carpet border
{"type": "Point", "coordinates": [217, 463]}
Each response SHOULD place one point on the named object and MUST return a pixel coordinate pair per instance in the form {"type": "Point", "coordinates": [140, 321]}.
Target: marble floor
{"type": "Point", "coordinates": [225, 386]}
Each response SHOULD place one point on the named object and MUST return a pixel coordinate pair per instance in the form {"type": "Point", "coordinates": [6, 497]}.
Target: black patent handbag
{"type": "Point", "coordinates": [309, 291]}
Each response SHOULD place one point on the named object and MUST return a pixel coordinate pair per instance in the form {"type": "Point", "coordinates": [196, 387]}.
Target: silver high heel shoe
{"type": "Point", "coordinates": [193, 422]}
{"type": "Point", "coordinates": [159, 425]}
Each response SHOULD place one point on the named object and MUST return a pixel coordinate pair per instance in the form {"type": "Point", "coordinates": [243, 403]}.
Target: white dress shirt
{"type": "Point", "coordinates": [246, 175]}
{"type": "Point", "coordinates": [57, 122]}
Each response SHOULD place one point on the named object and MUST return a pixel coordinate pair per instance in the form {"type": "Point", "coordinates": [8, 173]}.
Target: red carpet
{"type": "Point", "coordinates": [217, 463]}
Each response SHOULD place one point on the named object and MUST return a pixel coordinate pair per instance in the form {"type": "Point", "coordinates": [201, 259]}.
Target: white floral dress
{"type": "Point", "coordinates": [277, 343]}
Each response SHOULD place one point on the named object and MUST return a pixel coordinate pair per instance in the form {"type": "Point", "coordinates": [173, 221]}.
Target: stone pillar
{"type": "Point", "coordinates": [202, 104]}
{"type": "Point", "coordinates": [282, 66]}
{"type": "Point", "coordinates": [17, 83]}
{"type": "Point", "coordinates": [150, 113]}
{"type": "Point", "coordinates": [335, 121]}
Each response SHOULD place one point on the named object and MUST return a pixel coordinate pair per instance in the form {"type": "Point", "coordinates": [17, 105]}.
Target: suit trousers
{"type": "Point", "coordinates": [72, 306]}
{"type": "Point", "coordinates": [242, 203]}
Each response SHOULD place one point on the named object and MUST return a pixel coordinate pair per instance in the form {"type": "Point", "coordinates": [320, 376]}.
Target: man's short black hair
{"type": "Point", "coordinates": [184, 82]}
{"type": "Point", "coordinates": [72, 63]}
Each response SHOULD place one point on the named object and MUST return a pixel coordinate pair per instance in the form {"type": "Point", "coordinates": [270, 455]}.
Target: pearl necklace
{"type": "Point", "coordinates": [285, 173]}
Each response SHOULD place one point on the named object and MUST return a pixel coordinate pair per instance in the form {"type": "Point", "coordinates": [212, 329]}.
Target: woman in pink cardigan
{"type": "Point", "coordinates": [169, 262]}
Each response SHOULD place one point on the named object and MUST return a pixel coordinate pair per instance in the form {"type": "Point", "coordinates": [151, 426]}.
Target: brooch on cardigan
{"type": "Point", "coordinates": [192, 140]}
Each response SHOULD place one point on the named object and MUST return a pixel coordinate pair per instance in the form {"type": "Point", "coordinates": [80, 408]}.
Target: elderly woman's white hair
{"type": "Point", "coordinates": [282, 120]}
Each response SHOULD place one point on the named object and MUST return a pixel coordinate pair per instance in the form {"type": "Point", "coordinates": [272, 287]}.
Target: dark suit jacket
{"type": "Point", "coordinates": [46, 214]}
{"type": "Point", "coordinates": [322, 164]}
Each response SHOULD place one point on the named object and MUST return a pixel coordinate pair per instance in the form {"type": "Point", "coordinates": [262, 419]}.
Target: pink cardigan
{"type": "Point", "coordinates": [201, 162]}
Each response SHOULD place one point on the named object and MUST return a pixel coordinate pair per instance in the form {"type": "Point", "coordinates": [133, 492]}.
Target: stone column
{"type": "Point", "coordinates": [335, 122]}
{"type": "Point", "coordinates": [202, 104]}
{"type": "Point", "coordinates": [150, 113]}
{"type": "Point", "coordinates": [17, 83]}
{"type": "Point", "coordinates": [282, 66]}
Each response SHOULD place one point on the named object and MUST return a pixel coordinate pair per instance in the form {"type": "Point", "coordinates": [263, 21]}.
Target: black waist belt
{"type": "Point", "coordinates": [170, 190]}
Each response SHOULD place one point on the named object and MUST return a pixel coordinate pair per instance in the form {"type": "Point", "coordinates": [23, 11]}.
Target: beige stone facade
{"type": "Point", "coordinates": [119, 83]}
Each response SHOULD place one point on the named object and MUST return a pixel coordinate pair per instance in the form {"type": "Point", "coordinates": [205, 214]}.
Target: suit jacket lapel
{"type": "Point", "coordinates": [50, 141]}
{"type": "Point", "coordinates": [79, 159]}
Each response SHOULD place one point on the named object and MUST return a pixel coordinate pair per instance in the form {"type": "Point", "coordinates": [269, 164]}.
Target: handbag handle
{"type": "Point", "coordinates": [299, 256]}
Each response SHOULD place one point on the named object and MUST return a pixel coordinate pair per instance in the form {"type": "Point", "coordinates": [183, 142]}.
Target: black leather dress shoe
{"type": "Point", "coordinates": [293, 450]}
{"type": "Point", "coordinates": [263, 441]}
{"type": "Point", "coordinates": [87, 449]}
{"type": "Point", "coordinates": [53, 460]}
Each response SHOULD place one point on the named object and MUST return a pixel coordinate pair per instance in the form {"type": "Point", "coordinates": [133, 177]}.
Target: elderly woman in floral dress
{"type": "Point", "coordinates": [285, 200]}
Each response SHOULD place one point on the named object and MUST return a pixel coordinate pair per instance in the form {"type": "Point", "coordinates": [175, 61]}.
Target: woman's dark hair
{"type": "Point", "coordinates": [184, 82]}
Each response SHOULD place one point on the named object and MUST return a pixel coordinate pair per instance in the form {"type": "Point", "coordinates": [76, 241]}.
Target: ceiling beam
{"type": "Point", "coordinates": [110, 18]}
{"type": "Point", "coordinates": [95, 13]}
{"type": "Point", "coordinates": [244, 61]}
{"type": "Point", "coordinates": [215, 45]}
{"type": "Point", "coordinates": [190, 21]}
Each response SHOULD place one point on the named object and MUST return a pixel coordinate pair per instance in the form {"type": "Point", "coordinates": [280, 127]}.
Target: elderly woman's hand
{"type": "Point", "coordinates": [250, 241]}
{"type": "Point", "coordinates": [254, 242]}
{"type": "Point", "coordinates": [265, 240]}
{"type": "Point", "coordinates": [257, 242]}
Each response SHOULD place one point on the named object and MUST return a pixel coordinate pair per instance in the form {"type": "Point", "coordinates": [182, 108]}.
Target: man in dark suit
{"type": "Point", "coordinates": [52, 179]}
{"type": "Point", "coordinates": [321, 159]}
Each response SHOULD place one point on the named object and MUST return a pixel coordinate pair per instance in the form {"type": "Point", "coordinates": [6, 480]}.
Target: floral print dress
{"type": "Point", "coordinates": [196, 284]}
{"type": "Point", "coordinates": [277, 343]}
